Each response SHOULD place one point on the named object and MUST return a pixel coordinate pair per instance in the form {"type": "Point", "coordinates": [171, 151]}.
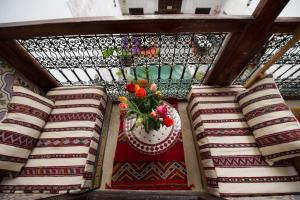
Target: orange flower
{"type": "Point", "coordinates": [123, 107]}
{"type": "Point", "coordinates": [158, 93]}
{"type": "Point", "coordinates": [142, 83]}
{"type": "Point", "coordinates": [136, 87]}
{"type": "Point", "coordinates": [140, 93]}
{"type": "Point", "coordinates": [123, 99]}
{"type": "Point", "coordinates": [153, 114]}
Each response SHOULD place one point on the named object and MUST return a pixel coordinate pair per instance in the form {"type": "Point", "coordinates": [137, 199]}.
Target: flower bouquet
{"type": "Point", "coordinates": [145, 105]}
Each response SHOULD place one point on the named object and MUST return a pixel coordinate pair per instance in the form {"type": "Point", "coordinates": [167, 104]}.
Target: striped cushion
{"type": "Point", "coordinates": [234, 167]}
{"type": "Point", "coordinates": [276, 130]}
{"type": "Point", "coordinates": [21, 128]}
{"type": "Point", "coordinates": [65, 156]}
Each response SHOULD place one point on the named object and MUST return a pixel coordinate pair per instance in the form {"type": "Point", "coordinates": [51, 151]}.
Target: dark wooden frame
{"type": "Point", "coordinates": [236, 53]}
{"type": "Point", "coordinates": [135, 195]}
{"type": "Point", "coordinates": [242, 45]}
{"type": "Point", "coordinates": [125, 24]}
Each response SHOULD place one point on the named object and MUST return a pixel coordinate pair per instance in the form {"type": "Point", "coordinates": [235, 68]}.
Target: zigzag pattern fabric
{"type": "Point", "coordinates": [232, 163]}
{"type": "Point", "coordinates": [64, 158]}
{"type": "Point", "coordinates": [136, 171]}
{"type": "Point", "coordinates": [276, 130]}
{"type": "Point", "coordinates": [152, 171]}
{"type": "Point", "coordinates": [21, 128]}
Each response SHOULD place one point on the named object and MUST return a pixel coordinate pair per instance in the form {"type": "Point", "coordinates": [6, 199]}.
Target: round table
{"type": "Point", "coordinates": [154, 142]}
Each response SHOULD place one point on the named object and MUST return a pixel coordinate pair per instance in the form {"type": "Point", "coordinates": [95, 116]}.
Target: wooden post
{"type": "Point", "coordinates": [259, 74]}
{"type": "Point", "coordinates": [242, 46]}
{"type": "Point", "coordinates": [23, 62]}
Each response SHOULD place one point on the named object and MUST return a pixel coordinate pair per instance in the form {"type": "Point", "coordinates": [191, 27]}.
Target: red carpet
{"type": "Point", "coordinates": [136, 171]}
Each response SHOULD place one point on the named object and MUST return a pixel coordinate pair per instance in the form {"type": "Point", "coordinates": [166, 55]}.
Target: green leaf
{"type": "Point", "coordinates": [108, 52]}
{"type": "Point", "coordinates": [199, 76]}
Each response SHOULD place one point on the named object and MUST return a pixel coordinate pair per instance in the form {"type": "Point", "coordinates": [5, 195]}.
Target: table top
{"type": "Point", "coordinates": [154, 142]}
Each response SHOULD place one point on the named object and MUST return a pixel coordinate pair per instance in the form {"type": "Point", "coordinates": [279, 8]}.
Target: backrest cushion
{"type": "Point", "coordinates": [21, 128]}
{"type": "Point", "coordinates": [276, 130]}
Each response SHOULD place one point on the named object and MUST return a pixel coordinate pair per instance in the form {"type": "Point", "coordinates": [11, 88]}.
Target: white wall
{"type": "Point", "coordinates": [28, 10]}
{"type": "Point", "coordinates": [239, 7]}
{"type": "Point", "coordinates": [93, 8]}
{"type": "Point", "coordinates": [149, 6]}
{"type": "Point", "coordinates": [292, 9]}
{"type": "Point", "coordinates": [189, 6]}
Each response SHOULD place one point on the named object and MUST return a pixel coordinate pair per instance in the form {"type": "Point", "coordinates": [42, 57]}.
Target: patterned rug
{"type": "Point", "coordinates": [136, 171]}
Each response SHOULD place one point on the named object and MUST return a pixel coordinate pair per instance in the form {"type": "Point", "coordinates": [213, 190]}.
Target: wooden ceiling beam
{"type": "Point", "coordinates": [12, 52]}
{"type": "Point", "coordinates": [242, 45]}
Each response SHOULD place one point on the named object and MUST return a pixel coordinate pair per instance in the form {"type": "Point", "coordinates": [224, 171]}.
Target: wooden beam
{"type": "Point", "coordinates": [286, 24]}
{"type": "Point", "coordinates": [242, 46]}
{"type": "Point", "coordinates": [134, 195]}
{"type": "Point", "coordinates": [124, 24]}
{"type": "Point", "coordinates": [259, 74]}
{"type": "Point", "coordinates": [23, 62]}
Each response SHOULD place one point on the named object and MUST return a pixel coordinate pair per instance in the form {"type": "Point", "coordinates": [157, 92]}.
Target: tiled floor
{"type": "Point", "coordinates": [188, 143]}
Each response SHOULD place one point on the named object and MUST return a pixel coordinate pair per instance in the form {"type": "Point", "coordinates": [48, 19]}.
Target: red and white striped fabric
{"type": "Point", "coordinates": [234, 167]}
{"type": "Point", "coordinates": [276, 130]}
{"type": "Point", "coordinates": [21, 128]}
{"type": "Point", "coordinates": [64, 158]}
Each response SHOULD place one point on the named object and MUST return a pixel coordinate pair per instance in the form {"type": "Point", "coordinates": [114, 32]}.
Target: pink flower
{"type": "Point", "coordinates": [162, 111]}
{"type": "Point", "coordinates": [153, 114]}
{"type": "Point", "coordinates": [153, 87]}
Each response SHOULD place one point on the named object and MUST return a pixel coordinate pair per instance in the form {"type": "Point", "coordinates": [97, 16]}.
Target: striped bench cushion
{"type": "Point", "coordinates": [276, 130]}
{"type": "Point", "coordinates": [21, 128]}
{"type": "Point", "coordinates": [233, 164]}
{"type": "Point", "coordinates": [64, 158]}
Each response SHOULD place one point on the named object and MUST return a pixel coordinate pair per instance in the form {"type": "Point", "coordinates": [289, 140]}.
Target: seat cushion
{"type": "Point", "coordinates": [64, 158]}
{"type": "Point", "coordinates": [234, 166]}
{"type": "Point", "coordinates": [21, 128]}
{"type": "Point", "coordinates": [276, 130]}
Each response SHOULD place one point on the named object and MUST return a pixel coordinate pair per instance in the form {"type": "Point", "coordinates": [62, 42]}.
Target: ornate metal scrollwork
{"type": "Point", "coordinates": [176, 61]}
{"type": "Point", "coordinates": [286, 71]}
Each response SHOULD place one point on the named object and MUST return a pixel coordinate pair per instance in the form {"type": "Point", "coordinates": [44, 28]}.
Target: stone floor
{"type": "Point", "coordinates": [188, 143]}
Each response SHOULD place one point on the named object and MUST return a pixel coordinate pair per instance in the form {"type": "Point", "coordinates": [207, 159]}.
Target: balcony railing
{"type": "Point", "coordinates": [286, 71]}
{"type": "Point", "coordinates": [175, 60]}
{"type": "Point", "coordinates": [178, 50]}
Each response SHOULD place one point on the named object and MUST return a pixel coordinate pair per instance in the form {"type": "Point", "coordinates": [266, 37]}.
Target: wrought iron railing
{"type": "Point", "coordinates": [286, 71]}
{"type": "Point", "coordinates": [175, 61]}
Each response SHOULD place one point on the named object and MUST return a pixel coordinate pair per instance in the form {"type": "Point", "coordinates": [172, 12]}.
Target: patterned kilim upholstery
{"type": "Point", "coordinates": [21, 128]}
{"type": "Point", "coordinates": [232, 163]}
{"type": "Point", "coordinates": [275, 128]}
{"type": "Point", "coordinates": [64, 158]}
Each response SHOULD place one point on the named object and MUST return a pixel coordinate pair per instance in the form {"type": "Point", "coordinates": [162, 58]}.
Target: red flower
{"type": "Point", "coordinates": [130, 88]}
{"type": "Point", "coordinates": [167, 121]}
{"type": "Point", "coordinates": [142, 83]}
{"type": "Point", "coordinates": [140, 93]}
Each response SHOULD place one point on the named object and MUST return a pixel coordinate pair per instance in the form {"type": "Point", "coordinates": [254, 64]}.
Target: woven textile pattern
{"type": "Point", "coordinates": [21, 128]}
{"type": "Point", "coordinates": [233, 165]}
{"type": "Point", "coordinates": [136, 171]}
{"type": "Point", "coordinates": [65, 154]}
{"type": "Point", "coordinates": [276, 130]}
